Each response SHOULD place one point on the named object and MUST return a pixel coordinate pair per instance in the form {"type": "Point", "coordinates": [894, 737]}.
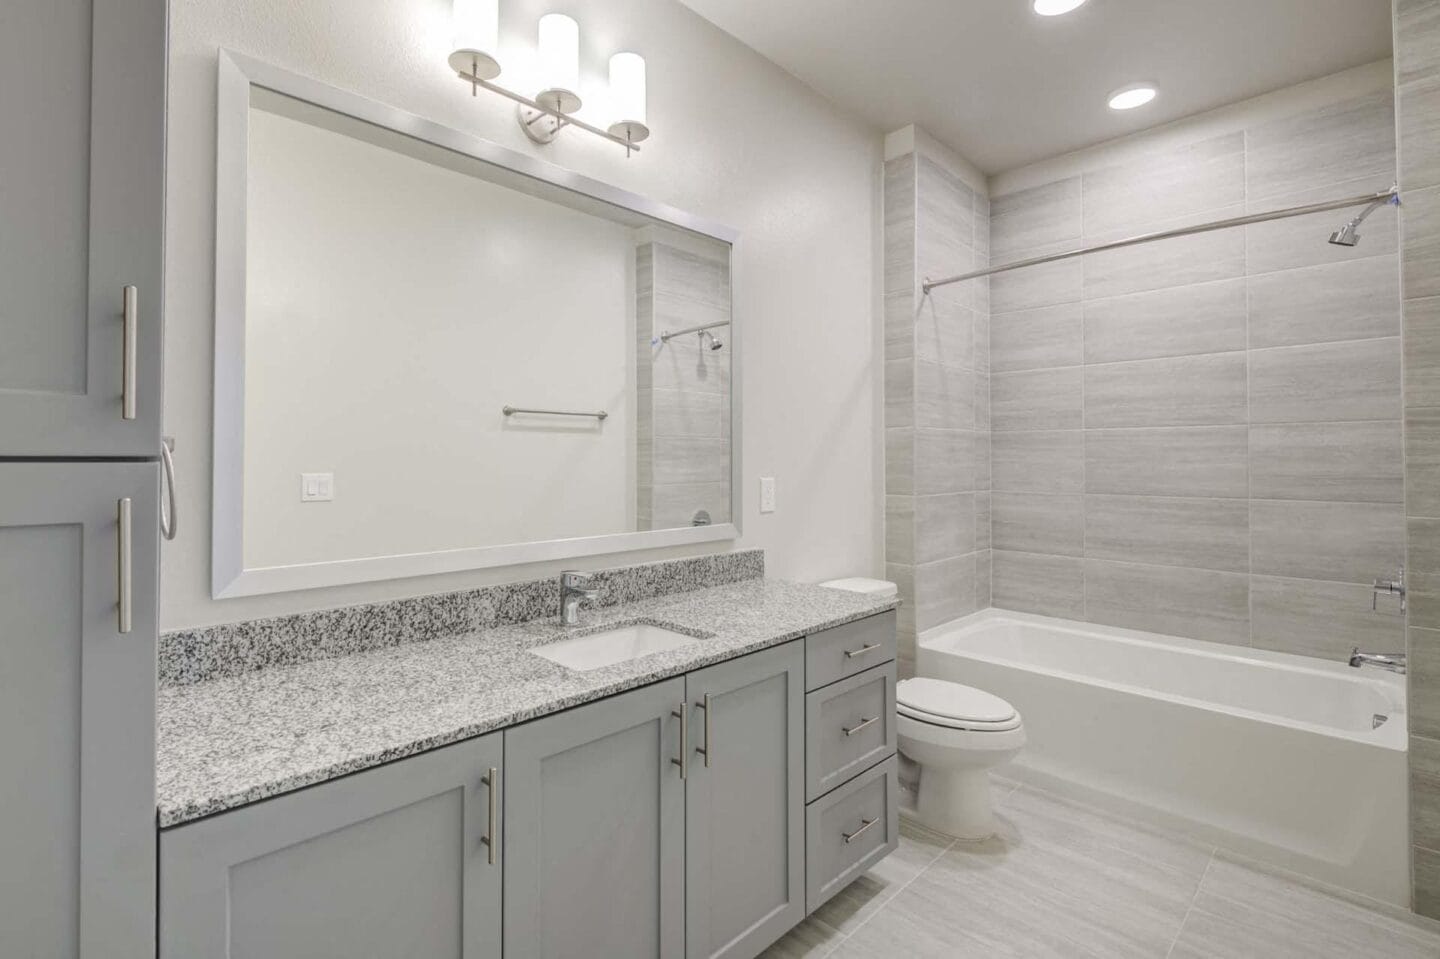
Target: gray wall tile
{"type": "Point", "coordinates": [1426, 870]}
{"type": "Point", "coordinates": [1328, 461]}
{"type": "Point", "coordinates": [900, 529]}
{"type": "Point", "coordinates": [1340, 542]}
{"type": "Point", "coordinates": [1419, 113]}
{"type": "Point", "coordinates": [1038, 462]}
{"type": "Point", "coordinates": [1032, 287]}
{"type": "Point", "coordinates": [1422, 461]}
{"type": "Point", "coordinates": [945, 333]}
{"type": "Point", "coordinates": [688, 413]}
{"type": "Point", "coordinates": [1425, 792]}
{"type": "Point", "coordinates": [944, 526]}
{"type": "Point", "coordinates": [1032, 583]}
{"type": "Point", "coordinates": [1037, 399]}
{"type": "Point", "coordinates": [1164, 531]}
{"type": "Point", "coordinates": [1184, 391]}
{"type": "Point", "coordinates": [899, 393]}
{"type": "Point", "coordinates": [982, 402]}
{"type": "Point", "coordinates": [899, 271]}
{"type": "Point", "coordinates": [899, 461]}
{"type": "Point", "coordinates": [899, 325]}
{"type": "Point", "coordinates": [1312, 149]}
{"type": "Point", "coordinates": [1040, 216]}
{"type": "Point", "coordinates": [1037, 339]}
{"type": "Point", "coordinates": [1329, 382]}
{"type": "Point", "coordinates": [1422, 572]}
{"type": "Point", "coordinates": [1301, 241]}
{"type": "Point", "coordinates": [1204, 318]}
{"type": "Point", "coordinates": [944, 397]}
{"type": "Point", "coordinates": [1424, 704]}
{"type": "Point", "coordinates": [1314, 618]}
{"type": "Point", "coordinates": [1172, 600]}
{"type": "Point", "coordinates": [1193, 178]}
{"type": "Point", "coordinates": [1199, 258]}
{"type": "Point", "coordinates": [944, 461]}
{"type": "Point", "coordinates": [1038, 523]}
{"type": "Point", "coordinates": [1351, 300]}
{"type": "Point", "coordinates": [1422, 352]}
{"type": "Point", "coordinates": [1192, 461]}
{"type": "Point", "coordinates": [983, 538]}
{"type": "Point", "coordinates": [1421, 269]}
{"type": "Point", "coordinates": [1417, 33]}
{"type": "Point", "coordinates": [944, 591]}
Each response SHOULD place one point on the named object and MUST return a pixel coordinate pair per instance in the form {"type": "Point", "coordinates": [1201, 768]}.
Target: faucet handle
{"type": "Point", "coordinates": [572, 578]}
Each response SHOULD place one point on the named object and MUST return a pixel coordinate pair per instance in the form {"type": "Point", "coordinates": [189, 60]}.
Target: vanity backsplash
{"type": "Point", "coordinates": [212, 652]}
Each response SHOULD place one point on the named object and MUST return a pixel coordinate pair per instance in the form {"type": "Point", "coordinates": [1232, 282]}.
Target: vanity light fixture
{"type": "Point", "coordinates": [475, 30]}
{"type": "Point", "coordinates": [1135, 95]}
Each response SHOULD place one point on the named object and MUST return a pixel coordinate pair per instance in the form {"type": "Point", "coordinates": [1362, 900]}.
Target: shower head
{"type": "Point", "coordinates": [714, 343]}
{"type": "Point", "coordinates": [1349, 234]}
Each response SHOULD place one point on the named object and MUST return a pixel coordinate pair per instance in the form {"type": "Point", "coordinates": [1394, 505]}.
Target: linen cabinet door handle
{"type": "Point", "coordinates": [492, 816]}
{"type": "Point", "coordinates": [705, 749]}
{"type": "Point", "coordinates": [125, 578]}
{"type": "Point", "coordinates": [128, 351]}
{"type": "Point", "coordinates": [683, 713]}
{"type": "Point", "coordinates": [863, 650]}
{"type": "Point", "coordinates": [852, 730]}
{"type": "Point", "coordinates": [864, 825]}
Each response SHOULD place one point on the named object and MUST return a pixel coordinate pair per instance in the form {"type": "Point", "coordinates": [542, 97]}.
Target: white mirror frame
{"type": "Point", "coordinates": [229, 575]}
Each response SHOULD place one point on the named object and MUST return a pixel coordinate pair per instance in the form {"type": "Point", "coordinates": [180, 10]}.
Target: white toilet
{"type": "Point", "coordinates": [956, 733]}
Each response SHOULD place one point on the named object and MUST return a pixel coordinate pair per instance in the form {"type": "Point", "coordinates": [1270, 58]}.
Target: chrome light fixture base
{"type": "Point", "coordinates": [539, 125]}
{"type": "Point", "coordinates": [475, 63]}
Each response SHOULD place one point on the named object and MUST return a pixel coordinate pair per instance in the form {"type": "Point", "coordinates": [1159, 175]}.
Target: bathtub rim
{"type": "Point", "coordinates": [1392, 735]}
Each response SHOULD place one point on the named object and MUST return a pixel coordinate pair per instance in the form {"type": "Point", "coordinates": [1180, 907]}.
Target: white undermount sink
{"type": "Point", "coordinates": [610, 646]}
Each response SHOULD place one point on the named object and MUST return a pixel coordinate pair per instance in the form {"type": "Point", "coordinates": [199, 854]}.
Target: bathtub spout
{"type": "Point", "coordinates": [1394, 662]}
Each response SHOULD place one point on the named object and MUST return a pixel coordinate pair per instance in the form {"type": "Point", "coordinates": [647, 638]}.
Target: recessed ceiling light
{"type": "Point", "coordinates": [1135, 95]}
{"type": "Point", "coordinates": [1053, 8]}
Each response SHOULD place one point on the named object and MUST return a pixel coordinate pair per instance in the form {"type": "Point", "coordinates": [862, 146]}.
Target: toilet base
{"type": "Point", "coordinates": [956, 802]}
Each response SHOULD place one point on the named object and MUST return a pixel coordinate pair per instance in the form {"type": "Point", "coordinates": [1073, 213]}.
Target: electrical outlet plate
{"type": "Point", "coordinates": [317, 487]}
{"type": "Point", "coordinates": [767, 494]}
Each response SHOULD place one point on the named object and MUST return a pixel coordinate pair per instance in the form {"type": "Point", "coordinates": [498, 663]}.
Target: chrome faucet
{"type": "Point", "coordinates": [572, 592]}
{"type": "Point", "coordinates": [1394, 586]}
{"type": "Point", "coordinates": [1394, 662]}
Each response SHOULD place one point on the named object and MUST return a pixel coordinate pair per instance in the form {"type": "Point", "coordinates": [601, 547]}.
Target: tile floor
{"type": "Point", "coordinates": [1064, 879]}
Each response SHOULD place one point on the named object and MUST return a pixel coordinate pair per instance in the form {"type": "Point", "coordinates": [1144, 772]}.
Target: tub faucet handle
{"type": "Point", "coordinates": [1394, 586]}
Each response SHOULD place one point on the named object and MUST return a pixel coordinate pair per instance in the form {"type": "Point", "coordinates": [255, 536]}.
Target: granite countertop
{"type": "Point", "coordinates": [232, 741]}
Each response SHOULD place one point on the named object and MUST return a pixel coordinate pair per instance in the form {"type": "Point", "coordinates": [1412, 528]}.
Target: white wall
{"type": "Point", "coordinates": [393, 307]}
{"type": "Point", "coordinates": [736, 140]}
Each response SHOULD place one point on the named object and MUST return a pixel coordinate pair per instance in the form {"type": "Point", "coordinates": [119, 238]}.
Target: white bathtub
{"type": "Point", "coordinates": [1273, 756]}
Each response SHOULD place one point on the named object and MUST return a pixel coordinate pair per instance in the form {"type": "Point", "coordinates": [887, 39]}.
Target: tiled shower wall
{"type": "Point", "coordinates": [1417, 76]}
{"type": "Point", "coordinates": [937, 468]}
{"type": "Point", "coordinates": [1202, 437]}
{"type": "Point", "coordinates": [682, 420]}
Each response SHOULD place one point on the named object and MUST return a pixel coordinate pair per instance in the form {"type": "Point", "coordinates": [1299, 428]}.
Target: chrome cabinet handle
{"type": "Point", "coordinates": [863, 650]}
{"type": "Point", "coordinates": [489, 839]}
{"type": "Point", "coordinates": [705, 750]}
{"type": "Point", "coordinates": [131, 315]}
{"type": "Point", "coordinates": [684, 761]}
{"type": "Point", "coordinates": [861, 725]}
{"type": "Point", "coordinates": [126, 577]}
{"type": "Point", "coordinates": [864, 825]}
{"type": "Point", "coordinates": [168, 518]}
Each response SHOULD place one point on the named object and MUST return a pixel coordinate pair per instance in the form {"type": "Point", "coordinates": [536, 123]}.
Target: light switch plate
{"type": "Point", "coordinates": [317, 487]}
{"type": "Point", "coordinates": [767, 494]}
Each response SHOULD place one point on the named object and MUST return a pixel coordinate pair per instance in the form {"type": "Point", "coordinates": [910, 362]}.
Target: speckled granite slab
{"type": "Point", "coordinates": [232, 741]}
{"type": "Point", "coordinates": [212, 652]}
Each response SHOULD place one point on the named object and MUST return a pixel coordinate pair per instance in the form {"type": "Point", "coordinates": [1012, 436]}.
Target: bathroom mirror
{"type": "Point", "coordinates": [435, 354]}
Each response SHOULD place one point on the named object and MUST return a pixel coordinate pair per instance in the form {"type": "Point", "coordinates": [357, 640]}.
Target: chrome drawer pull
{"type": "Point", "coordinates": [129, 346]}
{"type": "Point", "coordinates": [862, 724]}
{"type": "Point", "coordinates": [684, 761]}
{"type": "Point", "coordinates": [489, 839]}
{"type": "Point", "coordinates": [126, 577]}
{"type": "Point", "coordinates": [864, 825]}
{"type": "Point", "coordinates": [852, 653]}
{"type": "Point", "coordinates": [705, 750]}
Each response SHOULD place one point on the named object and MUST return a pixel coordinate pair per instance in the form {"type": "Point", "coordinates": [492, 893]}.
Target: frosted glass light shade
{"type": "Point", "coordinates": [559, 55]}
{"type": "Point", "coordinates": [627, 95]}
{"type": "Point", "coordinates": [475, 38]}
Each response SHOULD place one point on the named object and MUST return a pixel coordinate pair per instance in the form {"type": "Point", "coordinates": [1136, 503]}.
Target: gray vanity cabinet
{"type": "Point", "coordinates": [392, 861]}
{"type": "Point", "coordinates": [595, 829]}
{"type": "Point", "coordinates": [77, 709]}
{"type": "Point", "coordinates": [745, 803]}
{"type": "Point", "coordinates": [82, 95]}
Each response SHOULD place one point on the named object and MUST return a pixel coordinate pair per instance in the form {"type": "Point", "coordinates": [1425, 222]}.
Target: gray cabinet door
{"type": "Point", "coordinates": [77, 710]}
{"type": "Point", "coordinates": [82, 100]}
{"type": "Point", "coordinates": [595, 830]}
{"type": "Point", "coordinates": [745, 803]}
{"type": "Point", "coordinates": [392, 861]}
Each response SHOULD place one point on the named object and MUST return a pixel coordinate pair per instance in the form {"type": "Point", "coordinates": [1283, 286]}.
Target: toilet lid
{"type": "Point", "coordinates": [935, 700]}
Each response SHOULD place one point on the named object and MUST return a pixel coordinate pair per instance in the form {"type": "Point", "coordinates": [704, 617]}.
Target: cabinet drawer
{"type": "Point", "coordinates": [833, 654]}
{"type": "Point", "coordinates": [849, 831]}
{"type": "Point", "coordinates": [849, 727]}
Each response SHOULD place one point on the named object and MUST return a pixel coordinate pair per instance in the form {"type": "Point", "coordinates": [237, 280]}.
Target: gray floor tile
{"type": "Point", "coordinates": [919, 847]}
{"type": "Point", "coordinates": [809, 940]}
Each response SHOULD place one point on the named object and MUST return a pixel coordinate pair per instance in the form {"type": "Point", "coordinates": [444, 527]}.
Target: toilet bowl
{"type": "Point", "coordinates": [957, 734]}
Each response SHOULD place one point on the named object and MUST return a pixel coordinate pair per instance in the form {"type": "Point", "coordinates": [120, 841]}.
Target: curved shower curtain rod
{"type": "Point", "coordinates": [1391, 195]}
